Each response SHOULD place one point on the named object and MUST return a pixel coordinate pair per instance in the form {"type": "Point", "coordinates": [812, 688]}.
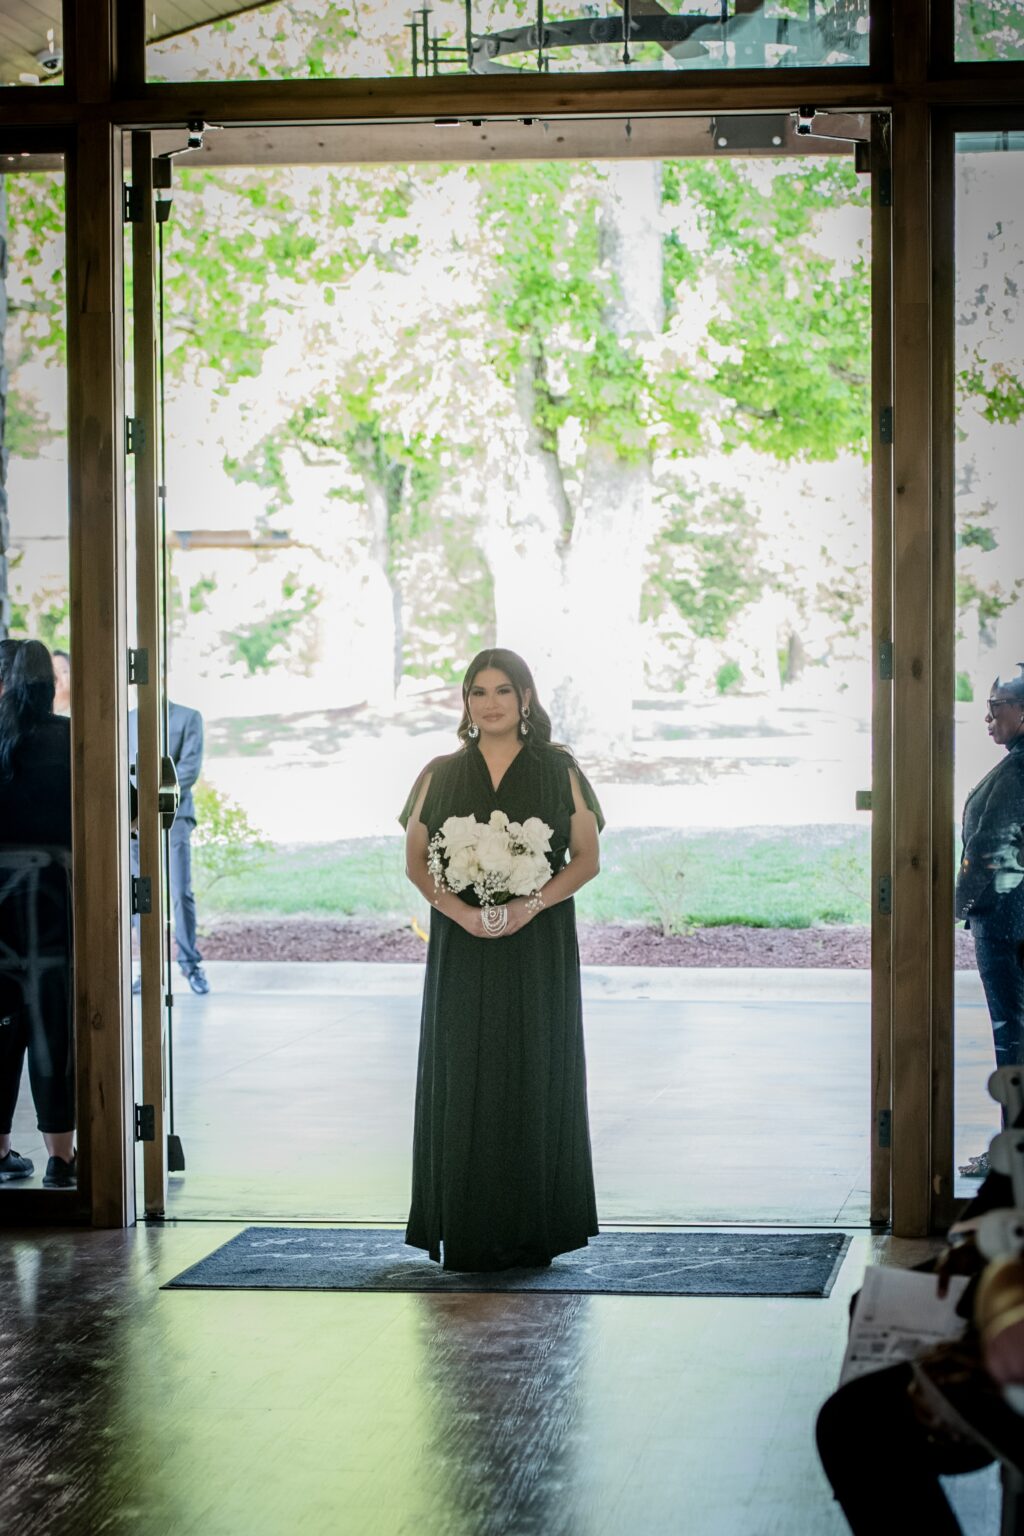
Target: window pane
{"type": "Point", "coordinates": [989, 30]}
{"type": "Point", "coordinates": [32, 44]}
{"type": "Point", "coordinates": [305, 40]}
{"type": "Point", "coordinates": [37, 1061]}
{"type": "Point", "coordinates": [989, 318]}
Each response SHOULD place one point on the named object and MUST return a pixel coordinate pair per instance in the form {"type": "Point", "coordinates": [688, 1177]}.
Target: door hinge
{"type": "Point", "coordinates": [885, 424]}
{"type": "Point", "coordinates": [142, 895]}
{"type": "Point", "coordinates": [885, 661]}
{"type": "Point", "coordinates": [885, 896]}
{"type": "Point", "coordinates": [134, 434]}
{"type": "Point", "coordinates": [885, 187]}
{"type": "Point", "coordinates": [134, 207]}
{"type": "Point", "coordinates": [145, 1122]}
{"type": "Point", "coordinates": [862, 800]}
{"type": "Point", "coordinates": [138, 666]}
{"type": "Point", "coordinates": [883, 1123]}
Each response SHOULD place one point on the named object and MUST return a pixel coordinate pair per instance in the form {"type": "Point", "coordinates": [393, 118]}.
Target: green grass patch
{"type": "Point", "coordinates": [797, 878]}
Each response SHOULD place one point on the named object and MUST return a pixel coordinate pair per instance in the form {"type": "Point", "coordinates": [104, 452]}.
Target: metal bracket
{"type": "Point", "coordinates": [134, 434]}
{"type": "Point", "coordinates": [885, 896]}
{"type": "Point", "coordinates": [145, 1122]}
{"type": "Point", "coordinates": [885, 188]}
{"type": "Point", "coordinates": [884, 1129]}
{"type": "Point", "coordinates": [142, 895]}
{"type": "Point", "coordinates": [138, 666]}
{"type": "Point", "coordinates": [885, 661]}
{"type": "Point", "coordinates": [134, 207]}
{"type": "Point", "coordinates": [885, 424]}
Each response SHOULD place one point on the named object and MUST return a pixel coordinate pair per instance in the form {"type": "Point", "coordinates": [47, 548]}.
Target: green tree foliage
{"type": "Point", "coordinates": [267, 640]}
{"type": "Point", "coordinates": [787, 350]}
{"type": "Point", "coordinates": [988, 30]}
{"type": "Point", "coordinates": [224, 843]}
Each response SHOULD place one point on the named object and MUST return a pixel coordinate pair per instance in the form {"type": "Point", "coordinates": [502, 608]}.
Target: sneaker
{"type": "Point", "coordinates": [14, 1166]}
{"type": "Point", "coordinates": [61, 1175]}
{"type": "Point", "coordinates": [975, 1167]}
{"type": "Point", "coordinates": [196, 979]}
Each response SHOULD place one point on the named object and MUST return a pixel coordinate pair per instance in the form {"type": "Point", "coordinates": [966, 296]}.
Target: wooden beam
{"type": "Point", "coordinates": [150, 744]}
{"type": "Point", "coordinates": [913, 740]}
{"type": "Point", "coordinates": [98, 642]}
{"type": "Point", "coordinates": [577, 138]}
{"type": "Point", "coordinates": [943, 667]}
{"type": "Point", "coordinates": [881, 707]}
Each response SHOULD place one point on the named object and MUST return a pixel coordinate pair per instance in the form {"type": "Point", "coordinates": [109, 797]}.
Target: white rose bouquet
{"type": "Point", "coordinates": [498, 858]}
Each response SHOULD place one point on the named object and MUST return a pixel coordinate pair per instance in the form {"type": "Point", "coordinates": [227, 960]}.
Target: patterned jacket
{"type": "Point", "coordinates": [992, 865]}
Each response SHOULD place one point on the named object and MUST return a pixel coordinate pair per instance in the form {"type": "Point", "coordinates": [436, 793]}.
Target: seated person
{"type": "Point", "coordinates": [35, 813]}
{"type": "Point", "coordinates": [881, 1443]}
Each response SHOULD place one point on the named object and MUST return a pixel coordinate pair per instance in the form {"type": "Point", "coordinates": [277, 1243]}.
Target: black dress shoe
{"type": "Point", "coordinates": [61, 1175]}
{"type": "Point", "coordinates": [14, 1166]}
{"type": "Point", "coordinates": [196, 979]}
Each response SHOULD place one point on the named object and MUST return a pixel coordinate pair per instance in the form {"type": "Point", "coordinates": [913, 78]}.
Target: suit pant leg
{"type": "Point", "coordinates": [182, 898]}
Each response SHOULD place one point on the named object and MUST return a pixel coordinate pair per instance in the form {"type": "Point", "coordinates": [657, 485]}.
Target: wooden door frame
{"type": "Point", "coordinates": [106, 94]}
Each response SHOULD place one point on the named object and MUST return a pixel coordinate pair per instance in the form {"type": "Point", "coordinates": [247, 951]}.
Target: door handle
{"type": "Point", "coordinates": [169, 795]}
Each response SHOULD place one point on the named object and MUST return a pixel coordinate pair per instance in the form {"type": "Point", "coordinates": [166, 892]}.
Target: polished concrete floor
{"type": "Point", "coordinates": [125, 1408]}
{"type": "Point", "coordinates": [714, 1096]}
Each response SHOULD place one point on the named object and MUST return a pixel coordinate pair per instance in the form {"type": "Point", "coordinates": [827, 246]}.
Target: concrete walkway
{"type": "Point", "coordinates": [715, 1095]}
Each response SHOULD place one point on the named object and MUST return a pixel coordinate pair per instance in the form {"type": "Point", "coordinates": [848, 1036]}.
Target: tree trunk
{"type": "Point", "coordinates": [382, 668]}
{"type": "Point", "coordinates": [603, 658]}
{"type": "Point", "coordinates": [525, 539]}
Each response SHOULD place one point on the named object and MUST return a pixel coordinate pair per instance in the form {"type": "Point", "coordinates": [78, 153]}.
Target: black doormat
{"type": "Point", "coordinates": [693, 1263]}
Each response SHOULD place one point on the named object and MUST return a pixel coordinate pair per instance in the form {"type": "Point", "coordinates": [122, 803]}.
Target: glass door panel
{"type": "Point", "coordinates": [37, 1056]}
{"type": "Point", "coordinates": [486, 37]}
{"type": "Point", "coordinates": [989, 346]}
{"type": "Point", "coordinates": [360, 497]}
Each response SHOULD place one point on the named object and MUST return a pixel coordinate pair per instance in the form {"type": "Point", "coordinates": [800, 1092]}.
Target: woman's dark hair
{"type": "Point", "coordinates": [8, 650]}
{"type": "Point", "coordinates": [27, 700]}
{"type": "Point", "coordinates": [521, 678]}
{"type": "Point", "coordinates": [1013, 687]}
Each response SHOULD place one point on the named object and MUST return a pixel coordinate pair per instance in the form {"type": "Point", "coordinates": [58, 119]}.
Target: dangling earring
{"type": "Point", "coordinates": [473, 732]}
{"type": "Point", "coordinates": [524, 723]}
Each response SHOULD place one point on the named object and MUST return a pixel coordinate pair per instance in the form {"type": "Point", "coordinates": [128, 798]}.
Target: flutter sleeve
{"type": "Point", "coordinates": [405, 814]}
{"type": "Point", "coordinates": [589, 798]}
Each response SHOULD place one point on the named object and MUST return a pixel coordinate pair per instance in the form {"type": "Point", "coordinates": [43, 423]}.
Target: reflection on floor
{"type": "Point", "coordinates": [166, 1413]}
{"type": "Point", "coordinates": [715, 1096]}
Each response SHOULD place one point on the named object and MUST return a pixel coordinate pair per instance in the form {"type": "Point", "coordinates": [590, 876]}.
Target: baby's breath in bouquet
{"type": "Point", "coordinates": [498, 858]}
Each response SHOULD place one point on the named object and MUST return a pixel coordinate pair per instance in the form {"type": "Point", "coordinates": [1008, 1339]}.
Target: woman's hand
{"type": "Point", "coordinates": [519, 914]}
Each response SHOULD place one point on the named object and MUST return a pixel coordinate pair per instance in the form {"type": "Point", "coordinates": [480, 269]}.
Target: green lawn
{"type": "Point", "coordinates": [795, 878]}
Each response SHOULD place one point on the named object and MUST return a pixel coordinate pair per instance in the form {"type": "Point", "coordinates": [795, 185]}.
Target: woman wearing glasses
{"type": "Point", "coordinates": [990, 883]}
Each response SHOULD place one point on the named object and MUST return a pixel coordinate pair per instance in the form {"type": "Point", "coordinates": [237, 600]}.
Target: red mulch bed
{"type": "Point", "coordinates": [301, 938]}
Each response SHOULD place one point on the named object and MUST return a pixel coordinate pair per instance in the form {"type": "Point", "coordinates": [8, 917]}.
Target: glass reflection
{"type": "Point", "coordinates": [989, 340]}
{"type": "Point", "coordinates": [37, 1075]}
{"type": "Point", "coordinates": [304, 39]}
{"type": "Point", "coordinates": [32, 46]}
{"type": "Point", "coordinates": [988, 31]}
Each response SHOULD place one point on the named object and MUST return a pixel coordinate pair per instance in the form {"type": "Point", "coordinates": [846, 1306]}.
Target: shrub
{"type": "Point", "coordinates": [225, 842]}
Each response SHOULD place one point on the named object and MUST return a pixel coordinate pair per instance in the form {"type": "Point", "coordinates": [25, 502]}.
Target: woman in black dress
{"type": "Point", "coordinates": [501, 1151]}
{"type": "Point", "coordinates": [35, 914]}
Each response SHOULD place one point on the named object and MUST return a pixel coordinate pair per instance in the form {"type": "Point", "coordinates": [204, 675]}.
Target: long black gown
{"type": "Point", "coordinates": [501, 1149]}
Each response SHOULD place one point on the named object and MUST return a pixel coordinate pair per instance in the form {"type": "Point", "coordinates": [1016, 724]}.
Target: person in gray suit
{"type": "Point", "coordinates": [990, 882]}
{"type": "Point", "coordinates": [185, 748]}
